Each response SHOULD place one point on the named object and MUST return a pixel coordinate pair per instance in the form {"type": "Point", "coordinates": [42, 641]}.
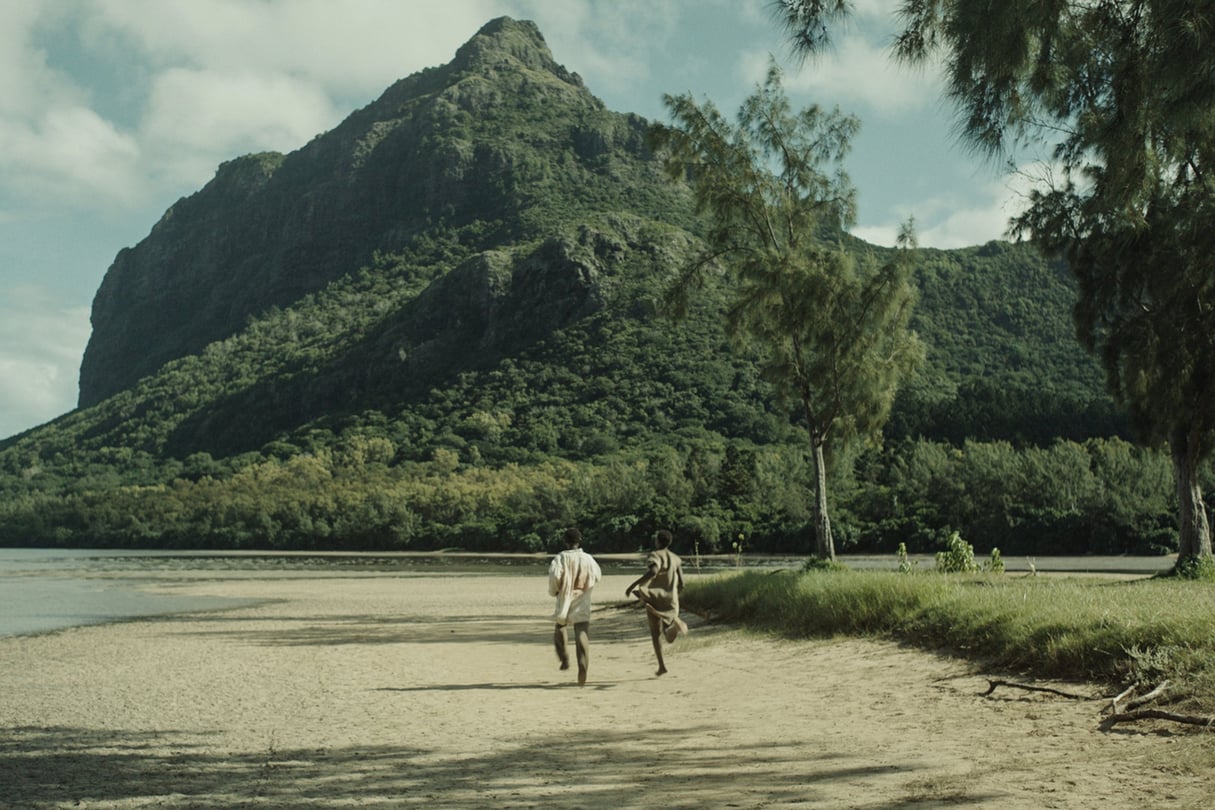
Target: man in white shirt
{"type": "Point", "coordinates": [571, 576]}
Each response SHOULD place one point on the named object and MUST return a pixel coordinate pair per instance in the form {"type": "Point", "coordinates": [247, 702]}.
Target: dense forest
{"type": "Point", "coordinates": [496, 363]}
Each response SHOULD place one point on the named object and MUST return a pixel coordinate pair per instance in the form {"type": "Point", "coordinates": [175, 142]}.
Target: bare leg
{"type": "Point", "coordinates": [582, 644]}
{"type": "Point", "coordinates": [656, 638]}
{"type": "Point", "coordinates": [559, 644]}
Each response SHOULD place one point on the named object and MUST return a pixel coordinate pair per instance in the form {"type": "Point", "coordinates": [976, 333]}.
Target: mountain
{"type": "Point", "coordinates": [502, 138]}
{"type": "Point", "coordinates": [441, 324]}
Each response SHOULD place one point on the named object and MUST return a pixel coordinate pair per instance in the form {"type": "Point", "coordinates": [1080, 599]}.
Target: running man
{"type": "Point", "coordinates": [571, 576]}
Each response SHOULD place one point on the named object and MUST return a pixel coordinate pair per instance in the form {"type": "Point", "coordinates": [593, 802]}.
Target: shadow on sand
{"type": "Point", "coordinates": [57, 767]}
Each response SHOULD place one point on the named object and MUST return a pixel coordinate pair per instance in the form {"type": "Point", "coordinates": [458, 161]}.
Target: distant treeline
{"type": "Point", "coordinates": [1099, 496]}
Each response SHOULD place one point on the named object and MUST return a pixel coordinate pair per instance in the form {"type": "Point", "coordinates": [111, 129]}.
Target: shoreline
{"type": "Point", "coordinates": [59, 558]}
{"type": "Point", "coordinates": [144, 582]}
{"type": "Point", "coordinates": [443, 691]}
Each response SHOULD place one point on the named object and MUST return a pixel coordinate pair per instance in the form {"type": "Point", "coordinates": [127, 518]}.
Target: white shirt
{"type": "Point", "coordinates": [571, 576]}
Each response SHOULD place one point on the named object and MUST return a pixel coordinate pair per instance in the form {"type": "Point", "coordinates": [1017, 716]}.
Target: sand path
{"type": "Point", "coordinates": [441, 691]}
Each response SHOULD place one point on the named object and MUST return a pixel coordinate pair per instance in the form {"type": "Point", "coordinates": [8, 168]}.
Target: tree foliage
{"type": "Point", "coordinates": [1123, 92]}
{"type": "Point", "coordinates": [831, 327]}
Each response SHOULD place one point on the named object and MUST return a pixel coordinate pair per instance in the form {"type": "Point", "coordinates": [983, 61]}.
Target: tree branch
{"type": "Point", "coordinates": [1157, 714]}
{"type": "Point", "coordinates": [992, 684]}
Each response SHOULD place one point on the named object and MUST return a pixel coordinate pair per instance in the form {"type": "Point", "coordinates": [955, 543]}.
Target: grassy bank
{"type": "Point", "coordinates": [1113, 631]}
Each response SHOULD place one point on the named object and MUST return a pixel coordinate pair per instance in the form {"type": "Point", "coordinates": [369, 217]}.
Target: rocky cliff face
{"type": "Point", "coordinates": [502, 137]}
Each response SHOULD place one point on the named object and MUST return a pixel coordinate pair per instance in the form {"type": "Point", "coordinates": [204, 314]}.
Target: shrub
{"type": "Point", "coordinates": [959, 558]}
{"type": "Point", "coordinates": [906, 564]}
{"type": "Point", "coordinates": [1196, 568]}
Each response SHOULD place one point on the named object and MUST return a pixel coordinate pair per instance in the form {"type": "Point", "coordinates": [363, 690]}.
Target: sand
{"type": "Point", "coordinates": [443, 691]}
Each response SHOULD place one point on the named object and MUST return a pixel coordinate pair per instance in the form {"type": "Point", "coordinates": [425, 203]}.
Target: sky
{"type": "Point", "coordinates": [112, 110]}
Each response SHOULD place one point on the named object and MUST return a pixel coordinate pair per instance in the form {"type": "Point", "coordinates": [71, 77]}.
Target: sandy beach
{"type": "Point", "coordinates": [443, 691]}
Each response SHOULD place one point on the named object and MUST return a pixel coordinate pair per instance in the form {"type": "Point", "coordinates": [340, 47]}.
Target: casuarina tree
{"type": "Point", "coordinates": [829, 321]}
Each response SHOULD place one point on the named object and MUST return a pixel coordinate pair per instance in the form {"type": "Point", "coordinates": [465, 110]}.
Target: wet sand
{"type": "Point", "coordinates": [442, 691]}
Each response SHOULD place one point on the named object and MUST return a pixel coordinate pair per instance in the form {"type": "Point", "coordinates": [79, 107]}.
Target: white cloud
{"type": "Point", "coordinates": [26, 82]}
{"type": "Point", "coordinates": [41, 344]}
{"type": "Point", "coordinates": [198, 119]}
{"type": "Point", "coordinates": [68, 155]}
{"type": "Point", "coordinates": [54, 149]}
{"type": "Point", "coordinates": [948, 221]}
{"type": "Point", "coordinates": [963, 227]}
{"type": "Point", "coordinates": [354, 47]}
{"type": "Point", "coordinates": [858, 74]}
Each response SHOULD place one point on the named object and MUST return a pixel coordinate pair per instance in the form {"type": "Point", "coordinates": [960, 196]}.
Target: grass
{"type": "Point", "coordinates": [1113, 631]}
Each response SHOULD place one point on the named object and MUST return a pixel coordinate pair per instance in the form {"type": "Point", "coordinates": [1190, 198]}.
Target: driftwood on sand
{"type": "Point", "coordinates": [1131, 712]}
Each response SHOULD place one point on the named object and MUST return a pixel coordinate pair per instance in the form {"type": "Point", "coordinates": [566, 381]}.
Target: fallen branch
{"type": "Point", "coordinates": [1128, 715]}
{"type": "Point", "coordinates": [1031, 688]}
{"type": "Point", "coordinates": [1157, 714]}
{"type": "Point", "coordinates": [1113, 707]}
{"type": "Point", "coordinates": [1148, 698]}
{"type": "Point", "coordinates": [1142, 700]}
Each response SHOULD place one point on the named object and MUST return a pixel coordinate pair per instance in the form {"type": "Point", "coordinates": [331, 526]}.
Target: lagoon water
{"type": "Point", "coordinates": [51, 589]}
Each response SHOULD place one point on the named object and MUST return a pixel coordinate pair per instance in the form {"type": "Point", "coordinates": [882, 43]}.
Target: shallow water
{"type": "Point", "coordinates": [42, 604]}
{"type": "Point", "coordinates": [42, 590]}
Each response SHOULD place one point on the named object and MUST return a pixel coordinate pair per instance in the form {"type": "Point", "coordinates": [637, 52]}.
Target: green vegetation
{"type": "Point", "coordinates": [1048, 627]}
{"type": "Point", "coordinates": [358, 489]}
{"type": "Point", "coordinates": [1121, 93]}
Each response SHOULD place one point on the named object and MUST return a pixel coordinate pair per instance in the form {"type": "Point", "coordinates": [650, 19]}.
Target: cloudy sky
{"type": "Point", "coordinates": [111, 110]}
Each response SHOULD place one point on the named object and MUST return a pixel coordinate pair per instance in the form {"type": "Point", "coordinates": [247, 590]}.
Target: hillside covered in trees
{"type": "Point", "coordinates": [441, 325]}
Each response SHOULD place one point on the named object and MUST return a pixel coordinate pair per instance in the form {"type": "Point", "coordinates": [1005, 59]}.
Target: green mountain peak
{"type": "Point", "coordinates": [491, 137]}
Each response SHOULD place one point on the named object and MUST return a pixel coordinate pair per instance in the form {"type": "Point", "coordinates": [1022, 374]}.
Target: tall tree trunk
{"type": "Point", "coordinates": [1195, 531]}
{"type": "Point", "coordinates": [823, 540]}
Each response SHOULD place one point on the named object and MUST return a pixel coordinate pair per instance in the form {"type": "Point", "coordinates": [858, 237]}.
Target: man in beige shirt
{"type": "Point", "coordinates": [571, 576]}
{"type": "Point", "coordinates": [658, 589]}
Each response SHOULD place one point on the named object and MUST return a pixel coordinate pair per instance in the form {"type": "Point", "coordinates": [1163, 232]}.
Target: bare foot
{"type": "Point", "coordinates": [582, 677]}
{"type": "Point", "coordinates": [565, 665]}
{"type": "Point", "coordinates": [661, 671]}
